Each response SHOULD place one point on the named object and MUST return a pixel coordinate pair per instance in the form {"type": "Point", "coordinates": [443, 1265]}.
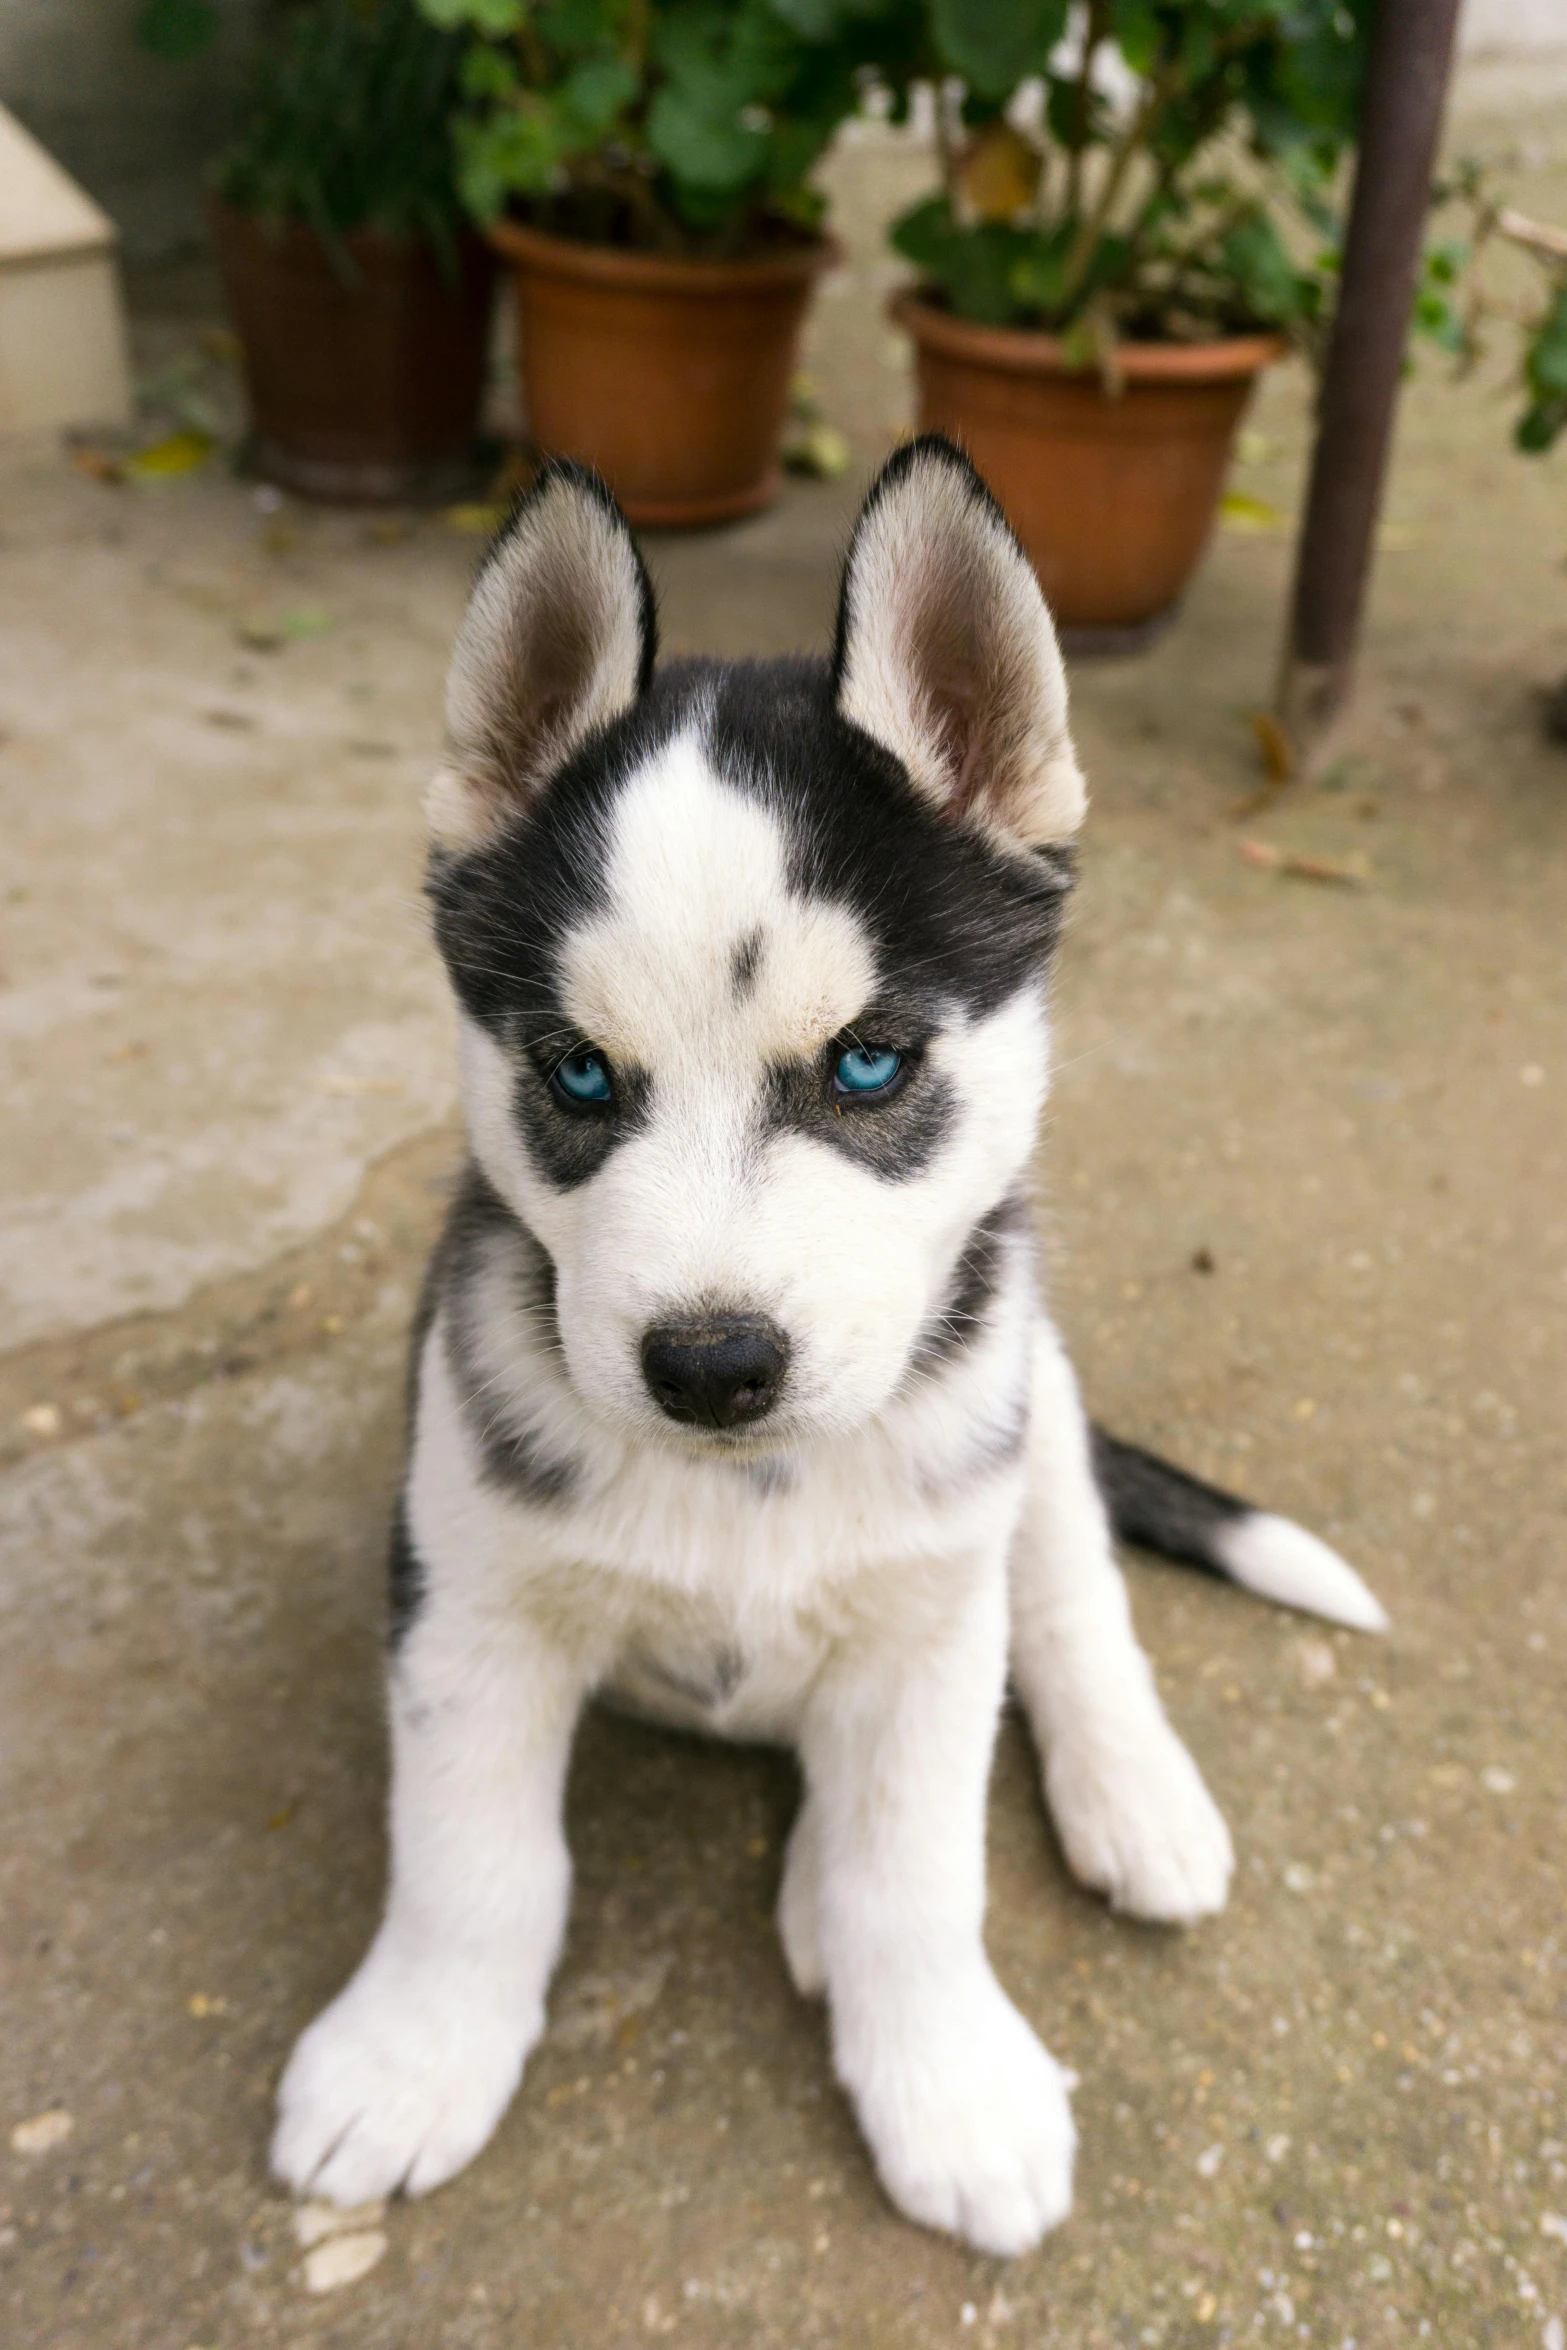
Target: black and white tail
{"type": "Point", "coordinates": [1161, 1508]}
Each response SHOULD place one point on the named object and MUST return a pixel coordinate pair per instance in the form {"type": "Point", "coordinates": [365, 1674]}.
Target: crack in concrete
{"type": "Point", "coordinates": [56, 1391]}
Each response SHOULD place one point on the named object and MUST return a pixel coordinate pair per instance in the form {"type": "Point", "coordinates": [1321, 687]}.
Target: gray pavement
{"type": "Point", "coordinates": [1307, 1183]}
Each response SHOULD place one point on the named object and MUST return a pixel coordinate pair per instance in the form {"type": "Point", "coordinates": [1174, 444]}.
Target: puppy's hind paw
{"type": "Point", "coordinates": [1138, 1825]}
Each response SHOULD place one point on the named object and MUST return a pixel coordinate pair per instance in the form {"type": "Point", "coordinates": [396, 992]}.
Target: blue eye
{"type": "Point", "coordinates": [866, 1069]}
{"type": "Point", "coordinates": [582, 1080]}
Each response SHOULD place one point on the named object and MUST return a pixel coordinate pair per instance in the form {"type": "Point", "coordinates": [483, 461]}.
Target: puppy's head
{"type": "Point", "coordinates": [750, 958]}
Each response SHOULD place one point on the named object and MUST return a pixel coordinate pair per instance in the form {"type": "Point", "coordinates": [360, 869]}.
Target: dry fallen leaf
{"type": "Point", "coordinates": [1251, 517]}
{"type": "Point", "coordinates": [98, 465]}
{"type": "Point", "coordinates": [999, 173]}
{"type": "Point", "coordinates": [179, 452]}
{"type": "Point", "coordinates": [476, 517]}
{"type": "Point", "coordinates": [1272, 738]}
{"type": "Point", "coordinates": [1269, 859]}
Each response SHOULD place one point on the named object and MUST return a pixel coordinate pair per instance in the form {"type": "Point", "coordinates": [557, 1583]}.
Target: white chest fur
{"type": "Point", "coordinates": [709, 1593]}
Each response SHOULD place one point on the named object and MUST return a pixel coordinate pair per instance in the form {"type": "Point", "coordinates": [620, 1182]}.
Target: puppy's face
{"type": "Point", "coordinates": [751, 974]}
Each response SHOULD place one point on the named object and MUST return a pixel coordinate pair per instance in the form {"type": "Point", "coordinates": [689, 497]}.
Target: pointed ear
{"type": "Point", "coordinates": [947, 656]}
{"type": "Point", "coordinates": [559, 638]}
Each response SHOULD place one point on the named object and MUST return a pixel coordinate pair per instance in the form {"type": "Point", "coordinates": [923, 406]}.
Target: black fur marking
{"type": "Point", "coordinates": [954, 922]}
{"type": "Point", "coordinates": [1160, 1507]}
{"type": "Point", "coordinates": [406, 1579]}
{"type": "Point", "coordinates": [484, 1242]}
{"type": "Point", "coordinates": [976, 1281]}
{"type": "Point", "coordinates": [569, 1146]}
{"type": "Point", "coordinates": [744, 964]}
{"type": "Point", "coordinates": [895, 1138]}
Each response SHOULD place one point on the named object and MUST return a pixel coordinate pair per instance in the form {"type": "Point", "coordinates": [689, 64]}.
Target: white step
{"type": "Point", "coordinates": [63, 353]}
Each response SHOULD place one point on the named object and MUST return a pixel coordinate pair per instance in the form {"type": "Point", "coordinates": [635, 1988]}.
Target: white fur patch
{"type": "Point", "coordinates": [652, 978]}
{"type": "Point", "coordinates": [1281, 1561]}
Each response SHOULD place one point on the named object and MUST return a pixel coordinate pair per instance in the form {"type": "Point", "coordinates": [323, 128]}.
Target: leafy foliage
{"type": "Point", "coordinates": [177, 29]}
{"type": "Point", "coordinates": [1175, 179]}
{"type": "Point", "coordinates": [1545, 379]}
{"type": "Point", "coordinates": [670, 125]}
{"type": "Point", "coordinates": [345, 122]}
{"type": "Point", "coordinates": [1459, 298]}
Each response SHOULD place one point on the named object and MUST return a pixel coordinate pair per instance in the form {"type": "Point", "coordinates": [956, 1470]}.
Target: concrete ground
{"type": "Point", "coordinates": [1307, 1186]}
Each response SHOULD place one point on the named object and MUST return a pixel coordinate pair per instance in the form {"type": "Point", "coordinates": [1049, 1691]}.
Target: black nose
{"type": "Point", "coordinates": [717, 1373]}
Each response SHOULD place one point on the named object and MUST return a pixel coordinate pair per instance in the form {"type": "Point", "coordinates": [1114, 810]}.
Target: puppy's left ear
{"type": "Point", "coordinates": [558, 639]}
{"type": "Point", "coordinates": [946, 653]}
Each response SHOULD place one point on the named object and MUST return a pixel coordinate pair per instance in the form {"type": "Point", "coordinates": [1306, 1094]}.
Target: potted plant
{"type": "Point", "coordinates": [1132, 222]}
{"type": "Point", "coordinates": [359, 291]}
{"type": "Point", "coordinates": [643, 166]}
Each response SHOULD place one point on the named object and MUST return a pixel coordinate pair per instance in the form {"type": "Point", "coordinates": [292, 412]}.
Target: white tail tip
{"type": "Point", "coordinates": [1281, 1561]}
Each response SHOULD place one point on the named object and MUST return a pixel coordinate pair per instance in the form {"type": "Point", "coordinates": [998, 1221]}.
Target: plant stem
{"type": "Point", "coordinates": [1093, 34]}
{"type": "Point", "coordinates": [1136, 135]}
{"type": "Point", "coordinates": [633, 46]}
{"type": "Point", "coordinates": [1536, 235]}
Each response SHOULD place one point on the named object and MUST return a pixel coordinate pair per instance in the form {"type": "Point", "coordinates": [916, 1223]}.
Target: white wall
{"type": "Point", "coordinates": [132, 129]}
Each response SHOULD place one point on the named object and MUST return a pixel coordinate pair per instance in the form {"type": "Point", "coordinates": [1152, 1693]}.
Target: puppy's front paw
{"type": "Point", "coordinates": [397, 2084]}
{"type": "Point", "coordinates": [1138, 1824]}
{"type": "Point", "coordinates": [968, 2118]}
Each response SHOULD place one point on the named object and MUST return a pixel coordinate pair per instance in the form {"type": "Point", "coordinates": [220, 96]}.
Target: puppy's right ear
{"type": "Point", "coordinates": [558, 639]}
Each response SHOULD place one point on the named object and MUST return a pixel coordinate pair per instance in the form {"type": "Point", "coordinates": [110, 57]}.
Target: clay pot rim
{"type": "Point", "coordinates": [1019, 350]}
{"type": "Point", "coordinates": [654, 273]}
{"type": "Point", "coordinates": [366, 238]}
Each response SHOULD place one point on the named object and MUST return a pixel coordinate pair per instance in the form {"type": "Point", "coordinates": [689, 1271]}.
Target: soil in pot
{"type": "Point", "coordinates": [360, 392]}
{"type": "Point", "coordinates": [671, 377]}
{"type": "Point", "coordinates": [1112, 495]}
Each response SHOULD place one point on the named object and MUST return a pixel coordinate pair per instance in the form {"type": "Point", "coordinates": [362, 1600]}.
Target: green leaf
{"type": "Point", "coordinates": [1037, 278]}
{"type": "Point", "coordinates": [1538, 429]}
{"type": "Point", "coordinates": [995, 44]}
{"type": "Point", "coordinates": [596, 93]}
{"type": "Point", "coordinates": [1545, 364]}
{"type": "Point", "coordinates": [702, 140]}
{"type": "Point", "coordinates": [499, 18]}
{"type": "Point", "coordinates": [1253, 253]}
{"type": "Point", "coordinates": [926, 234]}
{"type": "Point", "coordinates": [1135, 24]}
{"type": "Point", "coordinates": [176, 30]}
{"type": "Point", "coordinates": [487, 73]}
{"type": "Point", "coordinates": [813, 20]}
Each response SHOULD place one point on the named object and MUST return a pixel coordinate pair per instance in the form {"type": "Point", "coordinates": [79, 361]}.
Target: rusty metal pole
{"type": "Point", "coordinates": [1400, 124]}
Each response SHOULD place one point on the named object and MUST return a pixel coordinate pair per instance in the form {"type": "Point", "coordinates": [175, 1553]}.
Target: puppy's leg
{"type": "Point", "coordinates": [1134, 1816]}
{"type": "Point", "coordinates": [966, 2114]}
{"type": "Point", "coordinates": [403, 2078]}
{"type": "Point", "coordinates": [797, 1905]}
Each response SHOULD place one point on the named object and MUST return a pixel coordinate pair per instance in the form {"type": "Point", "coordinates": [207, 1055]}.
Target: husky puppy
{"type": "Point", "coordinates": [735, 1398]}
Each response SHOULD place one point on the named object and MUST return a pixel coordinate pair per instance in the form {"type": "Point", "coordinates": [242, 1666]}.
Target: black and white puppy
{"type": "Point", "coordinates": [736, 1398]}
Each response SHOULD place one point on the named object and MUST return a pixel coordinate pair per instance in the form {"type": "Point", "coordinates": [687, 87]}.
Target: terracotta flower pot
{"type": "Point", "coordinates": [671, 377]}
{"type": "Point", "coordinates": [358, 393]}
{"type": "Point", "coordinates": [1112, 496]}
